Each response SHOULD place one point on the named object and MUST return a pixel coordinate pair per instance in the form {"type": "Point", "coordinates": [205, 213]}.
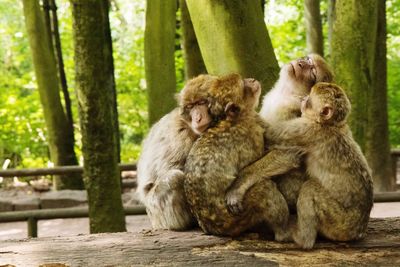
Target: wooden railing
{"type": "Point", "coordinates": [32, 216]}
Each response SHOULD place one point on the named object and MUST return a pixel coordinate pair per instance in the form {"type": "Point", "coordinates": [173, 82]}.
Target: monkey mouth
{"type": "Point", "coordinates": [201, 129]}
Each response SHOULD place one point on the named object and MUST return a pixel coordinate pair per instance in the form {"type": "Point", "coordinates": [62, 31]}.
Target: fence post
{"type": "Point", "coordinates": [32, 227]}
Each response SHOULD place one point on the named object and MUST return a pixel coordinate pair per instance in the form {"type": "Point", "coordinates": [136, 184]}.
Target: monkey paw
{"type": "Point", "coordinates": [234, 202]}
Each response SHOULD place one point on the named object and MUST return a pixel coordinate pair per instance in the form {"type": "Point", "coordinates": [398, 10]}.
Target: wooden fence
{"type": "Point", "coordinates": [32, 216]}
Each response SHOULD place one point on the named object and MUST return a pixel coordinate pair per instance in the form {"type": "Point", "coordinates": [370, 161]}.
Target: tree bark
{"type": "Point", "coordinates": [59, 131]}
{"type": "Point", "coordinates": [377, 146]}
{"type": "Point", "coordinates": [358, 55]}
{"type": "Point", "coordinates": [194, 64]}
{"type": "Point", "coordinates": [159, 49]}
{"type": "Point", "coordinates": [314, 37]}
{"type": "Point", "coordinates": [331, 19]}
{"type": "Point", "coordinates": [60, 61]}
{"type": "Point", "coordinates": [233, 38]}
{"type": "Point", "coordinates": [95, 90]}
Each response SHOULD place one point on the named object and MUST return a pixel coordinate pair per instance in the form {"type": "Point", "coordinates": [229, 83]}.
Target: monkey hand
{"type": "Point", "coordinates": [234, 201]}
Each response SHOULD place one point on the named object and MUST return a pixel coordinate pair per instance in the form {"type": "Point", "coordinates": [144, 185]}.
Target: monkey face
{"type": "Point", "coordinates": [194, 103]}
{"type": "Point", "coordinates": [198, 115]}
{"type": "Point", "coordinates": [307, 71]}
{"type": "Point", "coordinates": [327, 103]}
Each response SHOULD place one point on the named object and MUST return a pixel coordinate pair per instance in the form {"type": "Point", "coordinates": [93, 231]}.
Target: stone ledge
{"type": "Point", "coordinates": [381, 247]}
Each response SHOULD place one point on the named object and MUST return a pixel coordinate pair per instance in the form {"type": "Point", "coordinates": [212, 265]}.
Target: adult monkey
{"type": "Point", "coordinates": [164, 152]}
{"type": "Point", "coordinates": [282, 103]}
{"type": "Point", "coordinates": [216, 157]}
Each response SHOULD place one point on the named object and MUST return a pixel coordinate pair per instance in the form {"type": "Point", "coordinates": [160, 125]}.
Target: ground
{"type": "Point", "coordinates": [381, 247]}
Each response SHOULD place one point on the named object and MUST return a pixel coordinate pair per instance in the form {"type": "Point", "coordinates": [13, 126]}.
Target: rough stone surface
{"type": "Point", "coordinates": [381, 247]}
{"type": "Point", "coordinates": [63, 199]}
{"type": "Point", "coordinates": [26, 203]}
{"type": "Point", "coordinates": [6, 204]}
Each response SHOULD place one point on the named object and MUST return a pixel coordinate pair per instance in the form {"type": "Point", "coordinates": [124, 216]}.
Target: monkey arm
{"type": "Point", "coordinates": [296, 132]}
{"type": "Point", "coordinates": [275, 162]}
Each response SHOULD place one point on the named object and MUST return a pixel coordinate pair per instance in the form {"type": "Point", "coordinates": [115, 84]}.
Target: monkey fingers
{"type": "Point", "coordinates": [234, 202]}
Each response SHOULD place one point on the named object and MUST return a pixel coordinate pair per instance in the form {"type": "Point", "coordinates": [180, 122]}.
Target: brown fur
{"type": "Point", "coordinates": [337, 199]}
{"type": "Point", "coordinates": [217, 156]}
{"type": "Point", "coordinates": [283, 164]}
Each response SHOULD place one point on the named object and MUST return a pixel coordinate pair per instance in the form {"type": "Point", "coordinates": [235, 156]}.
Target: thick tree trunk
{"type": "Point", "coordinates": [314, 37]}
{"type": "Point", "coordinates": [377, 146]}
{"type": "Point", "coordinates": [60, 132]}
{"type": "Point", "coordinates": [233, 38]}
{"type": "Point", "coordinates": [358, 55]}
{"type": "Point", "coordinates": [95, 89]}
{"type": "Point", "coordinates": [159, 49]}
{"type": "Point", "coordinates": [194, 64]}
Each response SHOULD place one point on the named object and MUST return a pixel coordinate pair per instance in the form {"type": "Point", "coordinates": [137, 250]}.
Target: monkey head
{"type": "Point", "coordinates": [304, 72]}
{"type": "Point", "coordinates": [326, 104]}
{"type": "Point", "coordinates": [232, 95]}
{"type": "Point", "coordinates": [194, 103]}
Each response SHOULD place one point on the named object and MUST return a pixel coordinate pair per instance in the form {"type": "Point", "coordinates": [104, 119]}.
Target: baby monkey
{"type": "Point", "coordinates": [236, 140]}
{"type": "Point", "coordinates": [337, 199]}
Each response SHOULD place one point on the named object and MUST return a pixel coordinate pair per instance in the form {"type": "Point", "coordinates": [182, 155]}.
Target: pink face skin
{"type": "Point", "coordinates": [303, 68]}
{"type": "Point", "coordinates": [200, 118]}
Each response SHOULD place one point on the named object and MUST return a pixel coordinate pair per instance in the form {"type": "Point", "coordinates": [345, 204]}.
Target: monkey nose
{"type": "Point", "coordinates": [198, 118]}
{"type": "Point", "coordinates": [300, 65]}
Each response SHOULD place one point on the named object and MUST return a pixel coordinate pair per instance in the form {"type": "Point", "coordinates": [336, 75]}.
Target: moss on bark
{"type": "Point", "coordinates": [233, 38]}
{"type": "Point", "coordinates": [95, 90]}
{"type": "Point", "coordinates": [358, 53]}
{"type": "Point", "coordinates": [159, 49]}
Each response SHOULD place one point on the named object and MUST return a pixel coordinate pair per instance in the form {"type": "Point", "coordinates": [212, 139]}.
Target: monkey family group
{"type": "Point", "coordinates": [292, 168]}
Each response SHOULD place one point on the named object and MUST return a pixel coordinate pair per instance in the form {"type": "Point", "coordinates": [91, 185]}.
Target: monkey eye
{"type": "Point", "coordinates": [202, 102]}
{"type": "Point", "coordinates": [189, 106]}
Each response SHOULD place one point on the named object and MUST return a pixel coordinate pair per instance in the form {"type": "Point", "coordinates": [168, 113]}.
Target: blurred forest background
{"type": "Point", "coordinates": [23, 134]}
{"type": "Point", "coordinates": [82, 81]}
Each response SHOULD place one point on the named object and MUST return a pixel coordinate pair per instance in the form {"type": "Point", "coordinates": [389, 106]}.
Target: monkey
{"type": "Point", "coordinates": [337, 199]}
{"type": "Point", "coordinates": [282, 103]}
{"type": "Point", "coordinates": [216, 157]}
{"type": "Point", "coordinates": [296, 78]}
{"type": "Point", "coordinates": [164, 151]}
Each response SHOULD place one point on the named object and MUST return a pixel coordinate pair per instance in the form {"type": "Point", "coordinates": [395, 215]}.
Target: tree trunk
{"type": "Point", "coordinates": [358, 55]}
{"type": "Point", "coordinates": [233, 38]}
{"type": "Point", "coordinates": [331, 19]}
{"type": "Point", "coordinates": [194, 64]}
{"type": "Point", "coordinates": [314, 37]}
{"type": "Point", "coordinates": [59, 131]}
{"type": "Point", "coordinates": [159, 49]}
{"type": "Point", "coordinates": [60, 61]}
{"type": "Point", "coordinates": [377, 146]}
{"type": "Point", "coordinates": [95, 90]}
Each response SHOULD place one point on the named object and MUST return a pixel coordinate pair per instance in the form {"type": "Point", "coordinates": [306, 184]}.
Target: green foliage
{"type": "Point", "coordinates": [285, 24]}
{"type": "Point", "coordinates": [22, 129]}
{"type": "Point", "coordinates": [393, 45]}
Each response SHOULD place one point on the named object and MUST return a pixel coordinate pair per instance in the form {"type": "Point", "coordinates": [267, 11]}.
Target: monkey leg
{"type": "Point", "coordinates": [275, 162]}
{"type": "Point", "coordinates": [166, 203]}
{"type": "Point", "coordinates": [318, 212]}
{"type": "Point", "coordinates": [267, 204]}
{"type": "Point", "coordinates": [289, 184]}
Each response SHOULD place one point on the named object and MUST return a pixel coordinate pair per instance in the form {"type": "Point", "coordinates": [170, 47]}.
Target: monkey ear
{"type": "Point", "coordinates": [326, 112]}
{"type": "Point", "coordinates": [232, 111]}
